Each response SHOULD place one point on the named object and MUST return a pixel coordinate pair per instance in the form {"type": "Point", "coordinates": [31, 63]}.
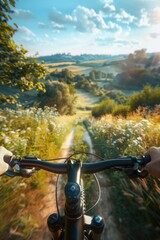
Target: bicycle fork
{"type": "Point", "coordinates": [93, 226]}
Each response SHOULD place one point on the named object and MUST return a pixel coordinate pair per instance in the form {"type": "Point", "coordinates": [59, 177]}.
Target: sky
{"type": "Point", "coordinates": [87, 26]}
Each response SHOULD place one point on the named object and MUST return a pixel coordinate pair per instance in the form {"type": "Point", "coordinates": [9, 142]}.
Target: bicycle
{"type": "Point", "coordinates": [76, 224]}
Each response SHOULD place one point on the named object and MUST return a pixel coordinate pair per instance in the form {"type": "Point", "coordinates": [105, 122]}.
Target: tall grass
{"type": "Point", "coordinates": [26, 132]}
{"type": "Point", "coordinates": [137, 202]}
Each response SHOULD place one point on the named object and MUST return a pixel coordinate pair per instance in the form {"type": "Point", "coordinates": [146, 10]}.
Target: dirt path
{"type": "Point", "coordinates": [105, 206]}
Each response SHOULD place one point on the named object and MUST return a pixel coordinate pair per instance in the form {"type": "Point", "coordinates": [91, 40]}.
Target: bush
{"type": "Point", "coordinates": [103, 107]}
{"type": "Point", "coordinates": [118, 96]}
{"type": "Point", "coordinates": [120, 109]}
{"type": "Point", "coordinates": [147, 97]}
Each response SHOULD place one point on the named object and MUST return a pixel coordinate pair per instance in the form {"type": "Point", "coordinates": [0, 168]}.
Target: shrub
{"type": "Point", "coordinates": [120, 109]}
{"type": "Point", "coordinates": [147, 97]}
{"type": "Point", "coordinates": [103, 107]}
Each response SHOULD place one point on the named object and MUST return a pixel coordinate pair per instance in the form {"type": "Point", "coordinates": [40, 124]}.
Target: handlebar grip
{"type": "Point", "coordinates": [146, 159]}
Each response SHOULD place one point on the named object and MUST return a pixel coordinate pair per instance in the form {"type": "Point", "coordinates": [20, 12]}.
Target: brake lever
{"type": "Point", "coordinates": [21, 172]}
{"type": "Point", "coordinates": [133, 172]}
{"type": "Point", "coordinates": [136, 172]}
{"type": "Point", "coordinates": [16, 170]}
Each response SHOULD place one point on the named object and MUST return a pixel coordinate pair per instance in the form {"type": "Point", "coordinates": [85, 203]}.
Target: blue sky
{"type": "Point", "coordinates": [87, 26]}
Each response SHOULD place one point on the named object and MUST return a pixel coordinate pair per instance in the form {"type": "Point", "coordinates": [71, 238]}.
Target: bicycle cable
{"type": "Point", "coordinates": [99, 194]}
{"type": "Point", "coordinates": [56, 196]}
{"type": "Point", "coordinates": [95, 177]}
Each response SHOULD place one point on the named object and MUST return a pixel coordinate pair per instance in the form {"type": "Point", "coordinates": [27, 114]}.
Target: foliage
{"type": "Point", "coordinates": [15, 68]}
{"type": "Point", "coordinates": [65, 75]}
{"type": "Point", "coordinates": [147, 97]}
{"type": "Point", "coordinates": [121, 109]}
{"type": "Point", "coordinates": [26, 132]}
{"type": "Point", "coordinates": [31, 130]}
{"type": "Point", "coordinates": [60, 95]}
{"type": "Point", "coordinates": [80, 81]}
{"type": "Point", "coordinates": [67, 57]}
{"type": "Point", "coordinates": [136, 201]}
{"type": "Point", "coordinates": [103, 107]}
{"type": "Point", "coordinates": [139, 69]}
{"type": "Point", "coordinates": [79, 145]}
{"type": "Point", "coordinates": [96, 74]}
{"type": "Point", "coordinates": [137, 78]}
{"type": "Point", "coordinates": [118, 96]}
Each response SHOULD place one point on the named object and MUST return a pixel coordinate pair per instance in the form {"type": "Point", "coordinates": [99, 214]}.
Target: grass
{"type": "Point", "coordinates": [27, 132]}
{"type": "Point", "coordinates": [81, 146]}
{"type": "Point", "coordinates": [136, 201]}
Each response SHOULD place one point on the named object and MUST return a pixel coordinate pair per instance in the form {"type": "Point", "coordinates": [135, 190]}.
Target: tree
{"type": "Point", "coordinates": [140, 54]}
{"type": "Point", "coordinates": [92, 75]}
{"type": "Point", "coordinates": [58, 94]}
{"type": "Point", "coordinates": [16, 70]}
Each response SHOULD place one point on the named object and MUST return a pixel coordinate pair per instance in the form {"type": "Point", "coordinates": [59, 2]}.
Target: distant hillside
{"type": "Point", "coordinates": [78, 58]}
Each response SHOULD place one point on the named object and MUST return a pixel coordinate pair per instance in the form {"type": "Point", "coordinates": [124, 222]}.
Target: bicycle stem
{"type": "Point", "coordinates": [74, 220]}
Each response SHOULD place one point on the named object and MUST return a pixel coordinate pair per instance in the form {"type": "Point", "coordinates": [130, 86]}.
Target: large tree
{"type": "Point", "coordinates": [16, 69]}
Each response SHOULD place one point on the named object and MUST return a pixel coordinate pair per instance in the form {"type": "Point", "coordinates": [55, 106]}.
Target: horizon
{"type": "Point", "coordinates": [103, 27]}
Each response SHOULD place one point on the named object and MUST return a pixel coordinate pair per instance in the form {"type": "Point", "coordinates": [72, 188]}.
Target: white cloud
{"type": "Point", "coordinates": [22, 14]}
{"type": "Point", "coordinates": [87, 20]}
{"type": "Point", "coordinates": [43, 25]}
{"type": "Point", "coordinates": [155, 35]}
{"type": "Point", "coordinates": [125, 17]}
{"type": "Point", "coordinates": [59, 17]}
{"type": "Point", "coordinates": [25, 30]}
{"type": "Point", "coordinates": [82, 19]}
{"type": "Point", "coordinates": [57, 26]}
{"type": "Point", "coordinates": [144, 19]}
{"type": "Point", "coordinates": [108, 5]}
{"type": "Point", "coordinates": [155, 16]}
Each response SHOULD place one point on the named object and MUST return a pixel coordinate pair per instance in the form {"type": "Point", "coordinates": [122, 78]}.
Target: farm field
{"type": "Point", "coordinates": [83, 67]}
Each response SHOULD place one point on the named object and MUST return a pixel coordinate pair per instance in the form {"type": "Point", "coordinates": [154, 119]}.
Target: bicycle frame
{"type": "Point", "coordinates": [76, 224]}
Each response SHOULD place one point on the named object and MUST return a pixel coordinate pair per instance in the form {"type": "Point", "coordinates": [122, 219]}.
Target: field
{"type": "Point", "coordinates": [84, 67]}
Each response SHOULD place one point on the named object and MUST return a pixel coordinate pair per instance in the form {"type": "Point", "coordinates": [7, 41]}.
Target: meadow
{"type": "Point", "coordinates": [136, 201]}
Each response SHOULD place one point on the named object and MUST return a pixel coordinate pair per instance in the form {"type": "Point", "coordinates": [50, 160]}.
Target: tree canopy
{"type": "Point", "coordinates": [58, 94]}
{"type": "Point", "coordinates": [16, 69]}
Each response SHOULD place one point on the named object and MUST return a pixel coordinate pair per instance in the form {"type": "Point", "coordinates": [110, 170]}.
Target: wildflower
{"type": "Point", "coordinates": [12, 132]}
{"type": "Point", "coordinates": [39, 129]}
{"type": "Point", "coordinates": [6, 139]}
{"type": "Point", "coordinates": [23, 185]}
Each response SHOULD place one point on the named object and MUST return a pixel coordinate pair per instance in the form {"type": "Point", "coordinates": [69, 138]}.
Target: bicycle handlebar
{"type": "Point", "coordinates": [61, 168]}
